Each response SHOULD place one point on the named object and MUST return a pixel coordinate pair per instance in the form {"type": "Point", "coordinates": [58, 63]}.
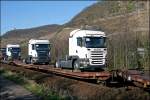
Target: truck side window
{"type": "Point", "coordinates": [33, 47]}
{"type": "Point", "coordinates": [79, 41]}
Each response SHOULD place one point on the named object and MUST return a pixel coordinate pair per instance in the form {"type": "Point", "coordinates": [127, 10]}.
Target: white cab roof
{"type": "Point", "coordinates": [33, 41]}
{"type": "Point", "coordinates": [82, 33]}
{"type": "Point", "coordinates": [13, 45]}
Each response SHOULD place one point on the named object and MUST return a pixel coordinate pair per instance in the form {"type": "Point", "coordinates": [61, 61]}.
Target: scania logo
{"type": "Point", "coordinates": [15, 52]}
{"type": "Point", "coordinates": [42, 51]}
{"type": "Point", "coordinates": [97, 49]}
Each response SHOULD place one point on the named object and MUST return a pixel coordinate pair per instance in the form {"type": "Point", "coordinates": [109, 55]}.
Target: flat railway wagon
{"type": "Point", "coordinates": [99, 77]}
{"type": "Point", "coordinates": [135, 77]}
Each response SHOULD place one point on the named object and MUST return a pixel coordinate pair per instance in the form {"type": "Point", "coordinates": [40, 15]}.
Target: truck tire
{"type": "Point", "coordinates": [76, 65]}
{"type": "Point", "coordinates": [31, 60]}
{"type": "Point", "coordinates": [27, 60]}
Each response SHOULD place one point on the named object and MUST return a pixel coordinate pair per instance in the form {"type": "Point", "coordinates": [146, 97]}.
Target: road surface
{"type": "Point", "coordinates": [11, 91]}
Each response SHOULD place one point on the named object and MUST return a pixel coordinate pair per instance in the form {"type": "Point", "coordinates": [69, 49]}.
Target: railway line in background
{"type": "Point", "coordinates": [122, 77]}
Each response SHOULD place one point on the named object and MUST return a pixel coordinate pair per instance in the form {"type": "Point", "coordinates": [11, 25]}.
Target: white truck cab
{"type": "Point", "coordinates": [87, 49]}
{"type": "Point", "coordinates": [39, 51]}
{"type": "Point", "coordinates": [13, 51]}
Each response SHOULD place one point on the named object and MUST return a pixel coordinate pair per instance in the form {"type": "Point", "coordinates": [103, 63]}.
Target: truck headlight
{"type": "Point", "coordinates": [85, 62]}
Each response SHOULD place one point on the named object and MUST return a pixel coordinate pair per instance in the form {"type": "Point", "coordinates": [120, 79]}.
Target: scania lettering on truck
{"type": "Point", "coordinates": [87, 50]}
{"type": "Point", "coordinates": [38, 51]}
{"type": "Point", "coordinates": [13, 52]}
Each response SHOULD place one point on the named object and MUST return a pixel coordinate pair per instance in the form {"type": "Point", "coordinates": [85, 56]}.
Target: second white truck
{"type": "Point", "coordinates": [38, 52]}
{"type": "Point", "coordinates": [87, 50]}
{"type": "Point", "coordinates": [13, 52]}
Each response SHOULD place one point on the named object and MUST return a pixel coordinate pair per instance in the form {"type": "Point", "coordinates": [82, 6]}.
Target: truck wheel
{"type": "Point", "coordinates": [27, 60]}
{"type": "Point", "coordinates": [76, 65]}
{"type": "Point", "coordinates": [31, 60]}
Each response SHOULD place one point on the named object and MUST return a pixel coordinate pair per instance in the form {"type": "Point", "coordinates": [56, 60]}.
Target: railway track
{"type": "Point", "coordinates": [121, 77]}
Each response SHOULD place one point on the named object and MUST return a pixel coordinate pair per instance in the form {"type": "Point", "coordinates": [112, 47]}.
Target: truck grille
{"type": "Point", "coordinates": [15, 55]}
{"type": "Point", "coordinates": [42, 56]}
{"type": "Point", "coordinates": [97, 57]}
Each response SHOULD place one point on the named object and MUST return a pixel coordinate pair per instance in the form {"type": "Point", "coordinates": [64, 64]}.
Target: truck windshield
{"type": "Point", "coordinates": [42, 46]}
{"type": "Point", "coordinates": [95, 42]}
{"type": "Point", "coordinates": [15, 49]}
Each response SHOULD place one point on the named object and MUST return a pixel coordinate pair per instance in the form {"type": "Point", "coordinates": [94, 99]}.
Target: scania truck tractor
{"type": "Point", "coordinates": [38, 52]}
{"type": "Point", "coordinates": [13, 52]}
{"type": "Point", "coordinates": [87, 50]}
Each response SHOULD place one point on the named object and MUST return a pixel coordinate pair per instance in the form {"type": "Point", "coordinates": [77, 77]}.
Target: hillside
{"type": "Point", "coordinates": [126, 24]}
{"type": "Point", "coordinates": [21, 35]}
{"type": "Point", "coordinates": [106, 9]}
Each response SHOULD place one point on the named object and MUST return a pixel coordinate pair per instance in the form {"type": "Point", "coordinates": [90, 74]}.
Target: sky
{"type": "Point", "coordinates": [28, 14]}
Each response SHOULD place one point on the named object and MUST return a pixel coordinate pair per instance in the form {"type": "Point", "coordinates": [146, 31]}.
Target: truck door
{"type": "Point", "coordinates": [79, 50]}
